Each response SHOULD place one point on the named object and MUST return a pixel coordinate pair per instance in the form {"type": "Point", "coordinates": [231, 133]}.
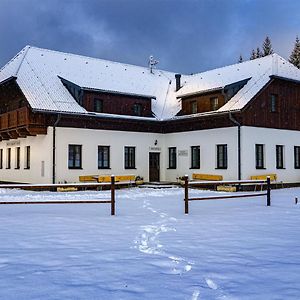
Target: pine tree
{"type": "Point", "coordinates": [267, 47]}
{"type": "Point", "coordinates": [258, 53]}
{"type": "Point", "coordinates": [240, 58]}
{"type": "Point", "coordinates": [253, 54]}
{"type": "Point", "coordinates": [295, 55]}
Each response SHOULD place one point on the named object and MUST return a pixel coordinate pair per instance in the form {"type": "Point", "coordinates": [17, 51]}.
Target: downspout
{"type": "Point", "coordinates": [233, 120]}
{"type": "Point", "coordinates": [54, 148]}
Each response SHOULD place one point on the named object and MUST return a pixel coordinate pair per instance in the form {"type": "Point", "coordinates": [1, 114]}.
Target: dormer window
{"type": "Point", "coordinates": [98, 105]}
{"type": "Point", "coordinates": [214, 103]}
{"type": "Point", "coordinates": [194, 107]}
{"type": "Point", "coordinates": [137, 109]}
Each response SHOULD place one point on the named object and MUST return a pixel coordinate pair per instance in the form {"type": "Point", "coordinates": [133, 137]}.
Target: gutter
{"type": "Point", "coordinates": [54, 149]}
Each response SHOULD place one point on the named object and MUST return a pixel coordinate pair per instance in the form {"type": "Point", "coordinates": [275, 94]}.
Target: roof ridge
{"type": "Point", "coordinates": [238, 64]}
{"type": "Point", "coordinates": [98, 59]}
{"type": "Point", "coordinates": [22, 51]}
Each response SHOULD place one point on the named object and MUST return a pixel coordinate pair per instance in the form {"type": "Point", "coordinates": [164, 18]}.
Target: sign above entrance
{"type": "Point", "coordinates": [154, 149]}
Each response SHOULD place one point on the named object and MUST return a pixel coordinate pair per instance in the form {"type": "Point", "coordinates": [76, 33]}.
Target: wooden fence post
{"type": "Point", "coordinates": [186, 194]}
{"type": "Point", "coordinates": [268, 191]}
{"type": "Point", "coordinates": [112, 193]}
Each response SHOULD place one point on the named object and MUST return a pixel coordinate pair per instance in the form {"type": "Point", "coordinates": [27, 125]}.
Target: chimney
{"type": "Point", "coordinates": [178, 85]}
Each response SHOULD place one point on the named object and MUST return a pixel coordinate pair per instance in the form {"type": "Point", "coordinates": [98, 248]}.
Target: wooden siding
{"type": "Point", "coordinates": [16, 118]}
{"type": "Point", "coordinates": [258, 111]}
{"type": "Point", "coordinates": [22, 121]}
{"type": "Point", "coordinates": [117, 104]}
{"type": "Point", "coordinates": [203, 103]}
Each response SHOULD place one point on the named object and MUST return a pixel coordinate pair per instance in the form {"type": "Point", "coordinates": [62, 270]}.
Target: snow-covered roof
{"type": "Point", "coordinates": [258, 70]}
{"type": "Point", "coordinates": [38, 73]}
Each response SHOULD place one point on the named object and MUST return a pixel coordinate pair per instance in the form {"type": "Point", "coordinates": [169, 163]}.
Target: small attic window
{"type": "Point", "coordinates": [137, 109]}
{"type": "Point", "coordinates": [98, 105]}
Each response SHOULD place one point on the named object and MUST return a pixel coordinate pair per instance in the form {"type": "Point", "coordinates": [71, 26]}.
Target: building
{"type": "Point", "coordinates": [64, 115]}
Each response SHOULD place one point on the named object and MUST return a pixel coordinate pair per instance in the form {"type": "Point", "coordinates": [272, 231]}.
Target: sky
{"type": "Point", "coordinates": [185, 36]}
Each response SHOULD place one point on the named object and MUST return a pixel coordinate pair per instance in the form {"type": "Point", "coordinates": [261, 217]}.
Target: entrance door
{"type": "Point", "coordinates": [153, 166]}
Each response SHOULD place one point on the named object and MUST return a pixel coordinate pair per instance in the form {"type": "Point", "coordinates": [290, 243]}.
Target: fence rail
{"type": "Point", "coordinates": [238, 182]}
{"type": "Point", "coordinates": [112, 200]}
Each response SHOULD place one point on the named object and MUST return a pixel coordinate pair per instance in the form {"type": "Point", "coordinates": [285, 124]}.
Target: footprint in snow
{"type": "Point", "coordinates": [212, 285]}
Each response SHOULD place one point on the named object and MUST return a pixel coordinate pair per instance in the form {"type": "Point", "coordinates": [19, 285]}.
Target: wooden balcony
{"type": "Point", "coordinates": [21, 123]}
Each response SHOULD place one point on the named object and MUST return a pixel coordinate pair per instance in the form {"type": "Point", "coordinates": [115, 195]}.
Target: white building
{"type": "Point", "coordinates": [64, 115]}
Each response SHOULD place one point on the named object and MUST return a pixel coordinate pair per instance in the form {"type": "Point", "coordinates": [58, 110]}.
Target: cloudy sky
{"type": "Point", "coordinates": [186, 36]}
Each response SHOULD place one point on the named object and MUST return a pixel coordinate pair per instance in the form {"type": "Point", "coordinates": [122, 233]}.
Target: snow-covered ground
{"type": "Point", "coordinates": [224, 249]}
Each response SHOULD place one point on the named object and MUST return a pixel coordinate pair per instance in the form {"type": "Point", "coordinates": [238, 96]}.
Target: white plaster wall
{"type": "Point", "coordinates": [90, 139]}
{"type": "Point", "coordinates": [270, 138]}
{"type": "Point", "coordinates": [40, 151]}
{"type": "Point", "coordinates": [207, 140]}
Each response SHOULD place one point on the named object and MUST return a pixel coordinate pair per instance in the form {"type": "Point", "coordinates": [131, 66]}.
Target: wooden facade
{"type": "Point", "coordinates": [18, 120]}
{"type": "Point", "coordinates": [202, 103]}
{"type": "Point", "coordinates": [118, 104]}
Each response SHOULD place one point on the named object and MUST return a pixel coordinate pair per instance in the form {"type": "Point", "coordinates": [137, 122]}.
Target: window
{"type": "Point", "coordinates": [279, 156]}
{"type": "Point", "coordinates": [98, 105]}
{"type": "Point", "coordinates": [17, 161]}
{"type": "Point", "coordinates": [172, 158]}
{"type": "Point", "coordinates": [222, 156]}
{"type": "Point", "coordinates": [297, 157]}
{"type": "Point", "coordinates": [8, 158]}
{"type": "Point", "coordinates": [27, 157]}
{"type": "Point", "coordinates": [195, 157]}
{"type": "Point", "coordinates": [103, 157]}
{"type": "Point", "coordinates": [214, 103]}
{"type": "Point", "coordinates": [129, 157]}
{"type": "Point", "coordinates": [194, 107]}
{"type": "Point", "coordinates": [273, 103]}
{"type": "Point", "coordinates": [137, 109]}
{"type": "Point", "coordinates": [75, 153]}
{"type": "Point", "coordinates": [259, 156]}
{"type": "Point", "coordinates": [1, 158]}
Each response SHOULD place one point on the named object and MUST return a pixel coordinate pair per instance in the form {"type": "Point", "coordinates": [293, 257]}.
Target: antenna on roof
{"type": "Point", "coordinates": [152, 63]}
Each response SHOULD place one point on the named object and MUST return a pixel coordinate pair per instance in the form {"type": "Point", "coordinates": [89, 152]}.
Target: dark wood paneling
{"type": "Point", "coordinates": [258, 113]}
{"type": "Point", "coordinates": [203, 103]}
{"type": "Point", "coordinates": [117, 104]}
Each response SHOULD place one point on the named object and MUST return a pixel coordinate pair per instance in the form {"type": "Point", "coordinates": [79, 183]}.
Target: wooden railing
{"type": "Point", "coordinates": [20, 117]}
{"type": "Point", "coordinates": [111, 201]}
{"type": "Point", "coordinates": [267, 193]}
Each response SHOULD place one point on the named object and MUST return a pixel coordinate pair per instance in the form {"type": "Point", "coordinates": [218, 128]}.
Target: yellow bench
{"type": "Point", "coordinates": [107, 178]}
{"type": "Point", "coordinates": [273, 177]}
{"type": "Point", "coordinates": [88, 178]}
{"type": "Point", "coordinates": [209, 177]}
